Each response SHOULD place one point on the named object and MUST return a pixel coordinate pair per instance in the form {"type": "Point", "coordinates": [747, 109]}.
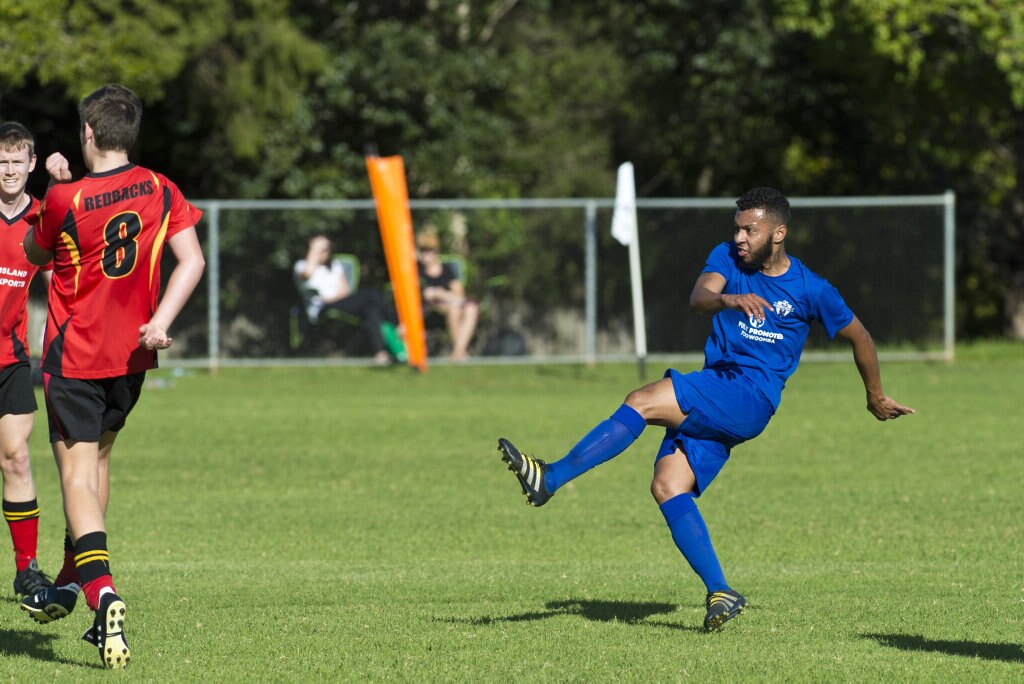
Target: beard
{"type": "Point", "coordinates": [756, 259]}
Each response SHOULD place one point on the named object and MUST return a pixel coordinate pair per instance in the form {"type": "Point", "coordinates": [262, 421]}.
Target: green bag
{"type": "Point", "coordinates": [393, 341]}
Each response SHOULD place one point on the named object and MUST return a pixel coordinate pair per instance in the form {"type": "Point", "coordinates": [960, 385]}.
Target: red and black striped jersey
{"type": "Point", "coordinates": [15, 275]}
{"type": "Point", "coordinates": [107, 232]}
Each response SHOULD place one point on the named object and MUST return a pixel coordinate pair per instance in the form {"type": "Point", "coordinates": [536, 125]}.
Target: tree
{"type": "Point", "coordinates": [520, 98]}
{"type": "Point", "coordinates": [944, 106]}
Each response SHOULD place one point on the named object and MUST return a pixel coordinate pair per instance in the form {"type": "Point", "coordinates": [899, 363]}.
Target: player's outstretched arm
{"type": "Point", "coordinates": [865, 356]}
{"type": "Point", "coordinates": [707, 298]}
{"type": "Point", "coordinates": [183, 280]}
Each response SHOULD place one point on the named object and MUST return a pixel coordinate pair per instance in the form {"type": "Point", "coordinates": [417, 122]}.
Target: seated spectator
{"type": "Point", "coordinates": [325, 277]}
{"type": "Point", "coordinates": [443, 291]}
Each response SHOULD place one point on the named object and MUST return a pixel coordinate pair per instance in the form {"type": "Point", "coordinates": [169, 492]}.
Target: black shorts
{"type": "Point", "coordinates": [82, 410]}
{"type": "Point", "coordinates": [17, 394]}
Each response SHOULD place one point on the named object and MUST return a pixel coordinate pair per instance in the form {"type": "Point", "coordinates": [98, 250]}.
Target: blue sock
{"type": "Point", "coordinates": [691, 536]}
{"type": "Point", "coordinates": [609, 439]}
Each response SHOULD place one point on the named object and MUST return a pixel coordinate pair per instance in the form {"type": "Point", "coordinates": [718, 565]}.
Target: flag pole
{"type": "Point", "coordinates": [639, 319]}
{"type": "Point", "coordinates": [624, 229]}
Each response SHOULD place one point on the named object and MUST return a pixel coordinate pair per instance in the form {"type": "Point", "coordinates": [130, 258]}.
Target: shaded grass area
{"type": "Point", "coordinates": [353, 523]}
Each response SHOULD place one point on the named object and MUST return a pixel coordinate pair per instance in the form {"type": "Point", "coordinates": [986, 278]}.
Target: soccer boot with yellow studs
{"type": "Point", "coordinates": [107, 633]}
{"type": "Point", "coordinates": [52, 603]}
{"type": "Point", "coordinates": [528, 470]}
{"type": "Point", "coordinates": [722, 606]}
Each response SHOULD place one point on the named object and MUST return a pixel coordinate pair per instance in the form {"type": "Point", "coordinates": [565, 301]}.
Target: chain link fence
{"type": "Point", "coordinates": [552, 283]}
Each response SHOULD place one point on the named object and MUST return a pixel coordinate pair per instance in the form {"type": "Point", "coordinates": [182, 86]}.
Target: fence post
{"type": "Point", "coordinates": [213, 286]}
{"type": "Point", "coordinates": [949, 259]}
{"type": "Point", "coordinates": [590, 285]}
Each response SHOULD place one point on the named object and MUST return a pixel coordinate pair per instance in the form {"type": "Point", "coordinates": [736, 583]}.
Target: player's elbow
{"type": "Point", "coordinates": [695, 302]}
{"type": "Point", "coordinates": [196, 264]}
{"type": "Point", "coordinates": [37, 256]}
{"type": "Point", "coordinates": [700, 305]}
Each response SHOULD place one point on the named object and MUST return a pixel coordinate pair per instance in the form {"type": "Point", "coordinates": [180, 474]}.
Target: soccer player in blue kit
{"type": "Point", "coordinates": [762, 302]}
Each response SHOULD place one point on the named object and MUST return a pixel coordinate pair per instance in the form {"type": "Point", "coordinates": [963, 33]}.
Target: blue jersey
{"type": "Point", "coordinates": [767, 352]}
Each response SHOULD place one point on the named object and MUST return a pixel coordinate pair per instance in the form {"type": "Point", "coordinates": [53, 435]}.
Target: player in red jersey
{"type": "Point", "coordinates": [17, 395]}
{"type": "Point", "coordinates": [106, 319]}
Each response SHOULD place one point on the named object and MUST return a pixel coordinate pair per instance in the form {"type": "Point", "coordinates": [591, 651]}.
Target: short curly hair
{"type": "Point", "coordinates": [769, 199]}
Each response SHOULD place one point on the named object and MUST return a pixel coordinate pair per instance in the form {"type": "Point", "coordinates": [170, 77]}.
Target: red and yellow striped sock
{"type": "Point", "coordinates": [23, 520]}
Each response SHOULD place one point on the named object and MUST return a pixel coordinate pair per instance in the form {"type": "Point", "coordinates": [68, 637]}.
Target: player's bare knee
{"type": "Point", "coordinates": [640, 400]}
{"type": "Point", "coordinates": [664, 488]}
{"type": "Point", "coordinates": [77, 479]}
{"type": "Point", "coordinates": [14, 463]}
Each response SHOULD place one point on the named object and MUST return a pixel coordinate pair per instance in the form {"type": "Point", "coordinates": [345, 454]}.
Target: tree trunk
{"type": "Point", "coordinates": [1013, 246]}
{"type": "Point", "coordinates": [1015, 305]}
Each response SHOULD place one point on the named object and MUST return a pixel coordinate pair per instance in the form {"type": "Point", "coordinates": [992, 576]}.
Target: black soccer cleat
{"type": "Point", "coordinates": [722, 607]}
{"type": "Point", "coordinates": [52, 603]}
{"type": "Point", "coordinates": [31, 580]}
{"type": "Point", "coordinates": [528, 470]}
{"type": "Point", "coordinates": [107, 633]}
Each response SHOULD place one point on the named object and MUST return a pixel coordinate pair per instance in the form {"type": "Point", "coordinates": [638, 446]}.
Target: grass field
{"type": "Point", "coordinates": [354, 523]}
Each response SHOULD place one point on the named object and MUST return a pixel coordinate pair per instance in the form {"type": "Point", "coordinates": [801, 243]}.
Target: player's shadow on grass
{"type": "Point", "coordinates": [31, 644]}
{"type": "Point", "coordinates": [626, 612]}
{"type": "Point", "coordinates": [1011, 653]}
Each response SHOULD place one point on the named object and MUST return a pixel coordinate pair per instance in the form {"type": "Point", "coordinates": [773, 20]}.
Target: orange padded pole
{"type": "Point", "coordinates": [387, 179]}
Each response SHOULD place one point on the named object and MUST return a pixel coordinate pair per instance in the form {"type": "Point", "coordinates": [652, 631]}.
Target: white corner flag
{"type": "Point", "coordinates": [624, 229]}
{"type": "Point", "coordinates": [624, 218]}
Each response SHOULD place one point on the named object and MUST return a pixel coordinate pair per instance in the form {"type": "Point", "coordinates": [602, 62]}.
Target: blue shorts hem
{"type": "Point", "coordinates": [723, 409]}
{"type": "Point", "coordinates": [706, 457]}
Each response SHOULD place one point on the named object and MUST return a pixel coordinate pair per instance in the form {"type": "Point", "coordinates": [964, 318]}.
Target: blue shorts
{"type": "Point", "coordinates": [723, 409]}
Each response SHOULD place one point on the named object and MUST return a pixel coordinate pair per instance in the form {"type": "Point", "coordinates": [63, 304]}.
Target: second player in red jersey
{"type": "Point", "coordinates": [15, 275]}
{"type": "Point", "coordinates": [17, 395]}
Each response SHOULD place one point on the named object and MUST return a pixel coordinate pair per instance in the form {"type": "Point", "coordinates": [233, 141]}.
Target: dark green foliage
{"type": "Point", "coordinates": [269, 98]}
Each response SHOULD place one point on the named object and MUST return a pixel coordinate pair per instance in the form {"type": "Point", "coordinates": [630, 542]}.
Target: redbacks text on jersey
{"type": "Point", "coordinates": [15, 275]}
{"type": "Point", "coordinates": [107, 232]}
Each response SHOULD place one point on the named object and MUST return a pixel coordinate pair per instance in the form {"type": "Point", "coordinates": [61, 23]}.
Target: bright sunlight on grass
{"type": "Point", "coordinates": [349, 523]}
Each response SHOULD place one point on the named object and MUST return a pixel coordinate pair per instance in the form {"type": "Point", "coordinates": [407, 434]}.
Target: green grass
{"type": "Point", "coordinates": [350, 523]}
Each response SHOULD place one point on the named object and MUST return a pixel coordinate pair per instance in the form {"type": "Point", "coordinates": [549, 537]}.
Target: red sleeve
{"type": "Point", "coordinates": [47, 218]}
{"type": "Point", "coordinates": [183, 214]}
